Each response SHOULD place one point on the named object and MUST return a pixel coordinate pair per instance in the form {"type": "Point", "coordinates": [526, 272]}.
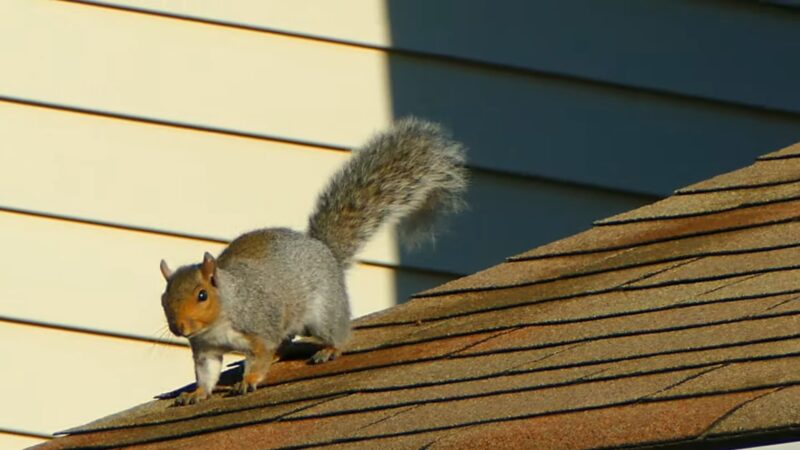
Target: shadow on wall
{"type": "Point", "coordinates": [574, 112]}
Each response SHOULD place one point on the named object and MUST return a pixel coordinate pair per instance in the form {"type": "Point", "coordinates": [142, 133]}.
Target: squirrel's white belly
{"type": "Point", "coordinates": [222, 336]}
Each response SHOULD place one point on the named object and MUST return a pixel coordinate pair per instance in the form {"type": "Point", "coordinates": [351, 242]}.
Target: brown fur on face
{"type": "Point", "coordinates": [186, 313]}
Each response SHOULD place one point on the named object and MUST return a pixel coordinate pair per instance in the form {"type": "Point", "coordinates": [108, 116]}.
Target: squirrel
{"type": "Point", "coordinates": [272, 284]}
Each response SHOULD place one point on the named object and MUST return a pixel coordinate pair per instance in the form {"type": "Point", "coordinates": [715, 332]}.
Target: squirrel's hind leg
{"type": "Point", "coordinates": [328, 322]}
{"type": "Point", "coordinates": [325, 354]}
{"type": "Point", "coordinates": [259, 358]}
{"type": "Point", "coordinates": [331, 342]}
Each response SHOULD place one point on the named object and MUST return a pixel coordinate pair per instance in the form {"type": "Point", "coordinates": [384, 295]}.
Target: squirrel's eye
{"type": "Point", "coordinates": [202, 295]}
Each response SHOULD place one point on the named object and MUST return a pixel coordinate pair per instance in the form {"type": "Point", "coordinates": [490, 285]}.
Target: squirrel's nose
{"type": "Point", "coordinates": [177, 328]}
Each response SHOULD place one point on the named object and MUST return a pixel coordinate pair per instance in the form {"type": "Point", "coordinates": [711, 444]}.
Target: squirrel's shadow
{"type": "Point", "coordinates": [288, 351]}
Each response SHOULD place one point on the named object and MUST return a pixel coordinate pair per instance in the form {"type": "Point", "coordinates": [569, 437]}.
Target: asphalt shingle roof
{"type": "Point", "coordinates": [678, 322]}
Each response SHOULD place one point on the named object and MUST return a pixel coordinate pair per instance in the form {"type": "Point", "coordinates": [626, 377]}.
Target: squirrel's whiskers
{"type": "Point", "coordinates": [161, 334]}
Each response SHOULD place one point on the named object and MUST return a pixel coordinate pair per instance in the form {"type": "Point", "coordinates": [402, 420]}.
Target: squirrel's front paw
{"type": "Point", "coordinates": [190, 398]}
{"type": "Point", "coordinates": [243, 387]}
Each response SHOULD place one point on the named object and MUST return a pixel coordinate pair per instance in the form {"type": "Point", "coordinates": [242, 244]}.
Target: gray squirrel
{"type": "Point", "coordinates": [271, 284]}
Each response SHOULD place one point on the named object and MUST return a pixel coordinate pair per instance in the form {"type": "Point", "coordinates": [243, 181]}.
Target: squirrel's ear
{"type": "Point", "coordinates": [165, 270]}
{"type": "Point", "coordinates": [209, 266]}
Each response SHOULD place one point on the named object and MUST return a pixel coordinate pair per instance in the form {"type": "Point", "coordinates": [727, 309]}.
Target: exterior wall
{"type": "Point", "coordinates": [128, 138]}
{"type": "Point", "coordinates": [140, 129]}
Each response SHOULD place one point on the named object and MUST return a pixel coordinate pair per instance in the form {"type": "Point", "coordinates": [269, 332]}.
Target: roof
{"type": "Point", "coordinates": [675, 323]}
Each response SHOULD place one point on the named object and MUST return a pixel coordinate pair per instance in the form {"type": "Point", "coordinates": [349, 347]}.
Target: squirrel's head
{"type": "Point", "coordinates": [191, 299]}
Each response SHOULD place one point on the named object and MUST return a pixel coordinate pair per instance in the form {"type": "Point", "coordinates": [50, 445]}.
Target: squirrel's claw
{"type": "Point", "coordinates": [324, 355]}
{"type": "Point", "coordinates": [190, 398]}
{"type": "Point", "coordinates": [242, 388]}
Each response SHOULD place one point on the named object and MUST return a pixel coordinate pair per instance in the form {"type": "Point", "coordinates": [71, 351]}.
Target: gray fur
{"type": "Point", "coordinates": [412, 174]}
{"type": "Point", "coordinates": [275, 283]}
{"type": "Point", "coordinates": [295, 287]}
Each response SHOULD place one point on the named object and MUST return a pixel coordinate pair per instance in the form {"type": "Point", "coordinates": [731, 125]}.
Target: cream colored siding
{"type": "Point", "coordinates": [63, 378]}
{"type": "Point", "coordinates": [192, 73]}
{"type": "Point", "coordinates": [13, 441]}
{"type": "Point", "coordinates": [162, 178]}
{"type": "Point", "coordinates": [361, 21]}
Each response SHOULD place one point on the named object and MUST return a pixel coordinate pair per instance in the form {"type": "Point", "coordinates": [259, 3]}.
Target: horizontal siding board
{"type": "Point", "coordinates": [11, 441]}
{"type": "Point", "coordinates": [107, 280]}
{"type": "Point", "coordinates": [739, 52]}
{"type": "Point", "coordinates": [158, 177]}
{"type": "Point", "coordinates": [189, 73]}
{"type": "Point", "coordinates": [62, 379]}
{"type": "Point", "coordinates": [356, 21]}
{"type": "Point", "coordinates": [337, 95]}
{"type": "Point", "coordinates": [597, 136]}
{"type": "Point", "coordinates": [686, 47]}
{"type": "Point", "coordinates": [205, 184]}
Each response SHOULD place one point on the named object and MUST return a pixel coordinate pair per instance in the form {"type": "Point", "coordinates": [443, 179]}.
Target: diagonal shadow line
{"type": "Point", "coordinates": [613, 335]}
{"type": "Point", "coordinates": [384, 419]}
{"type": "Point", "coordinates": [725, 276]}
{"type": "Point", "coordinates": [323, 397]}
{"type": "Point", "coordinates": [193, 432]}
{"type": "Point", "coordinates": [736, 187]}
{"type": "Point", "coordinates": [643, 356]}
{"type": "Point", "coordinates": [745, 205]}
{"type": "Point", "coordinates": [676, 237]}
{"type": "Point", "coordinates": [778, 305]}
{"type": "Point", "coordinates": [733, 410]}
{"type": "Point", "coordinates": [582, 380]}
{"type": "Point", "coordinates": [730, 284]}
{"type": "Point", "coordinates": [586, 293]}
{"type": "Point", "coordinates": [632, 402]}
{"type": "Point", "coordinates": [757, 438]}
{"type": "Point", "coordinates": [578, 381]}
{"type": "Point", "coordinates": [778, 157]}
{"type": "Point", "coordinates": [709, 369]}
{"type": "Point", "coordinates": [677, 305]}
{"type": "Point", "coordinates": [731, 441]}
{"type": "Point", "coordinates": [574, 342]}
{"type": "Point", "coordinates": [673, 265]}
{"type": "Point", "coordinates": [611, 268]}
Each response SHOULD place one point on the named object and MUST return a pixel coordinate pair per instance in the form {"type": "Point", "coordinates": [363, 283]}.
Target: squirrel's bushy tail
{"type": "Point", "coordinates": [412, 173]}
